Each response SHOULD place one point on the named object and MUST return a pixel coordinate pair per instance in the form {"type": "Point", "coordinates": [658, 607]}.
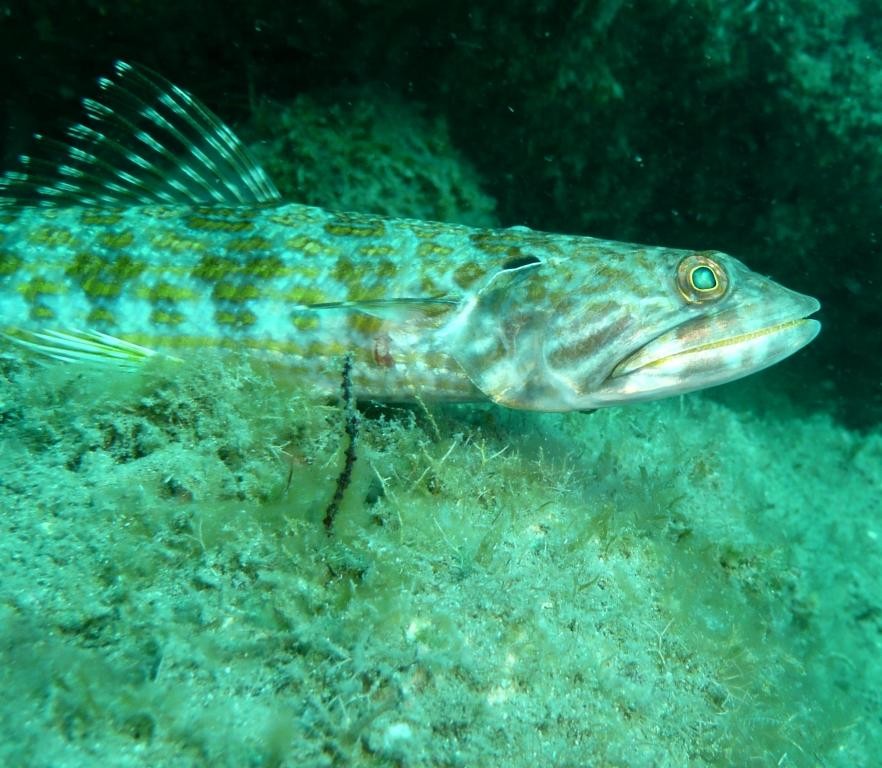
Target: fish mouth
{"type": "Point", "coordinates": [717, 348]}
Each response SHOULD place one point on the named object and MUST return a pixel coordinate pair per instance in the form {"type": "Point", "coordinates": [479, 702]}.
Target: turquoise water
{"type": "Point", "coordinates": [693, 582]}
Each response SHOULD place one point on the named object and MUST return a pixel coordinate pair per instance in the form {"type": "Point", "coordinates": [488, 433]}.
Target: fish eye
{"type": "Point", "coordinates": [701, 278]}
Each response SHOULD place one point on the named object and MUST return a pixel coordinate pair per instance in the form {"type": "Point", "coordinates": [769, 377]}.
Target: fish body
{"type": "Point", "coordinates": [157, 233]}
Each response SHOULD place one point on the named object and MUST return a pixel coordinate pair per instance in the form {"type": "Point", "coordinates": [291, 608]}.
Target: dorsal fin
{"type": "Point", "coordinates": [145, 141]}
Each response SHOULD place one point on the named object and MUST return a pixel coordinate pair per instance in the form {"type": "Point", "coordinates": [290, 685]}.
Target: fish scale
{"type": "Point", "coordinates": [155, 232]}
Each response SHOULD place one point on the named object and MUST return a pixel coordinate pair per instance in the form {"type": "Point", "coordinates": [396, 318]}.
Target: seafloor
{"type": "Point", "coordinates": [689, 583]}
{"type": "Point", "coordinates": [672, 584]}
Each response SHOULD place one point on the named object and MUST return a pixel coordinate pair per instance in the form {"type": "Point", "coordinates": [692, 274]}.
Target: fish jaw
{"type": "Point", "coordinates": [668, 366]}
{"type": "Point", "coordinates": [759, 325]}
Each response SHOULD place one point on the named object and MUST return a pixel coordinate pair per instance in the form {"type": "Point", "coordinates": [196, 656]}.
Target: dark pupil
{"type": "Point", "coordinates": [704, 279]}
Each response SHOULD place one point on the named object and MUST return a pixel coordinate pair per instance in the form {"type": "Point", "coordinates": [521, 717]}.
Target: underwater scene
{"type": "Point", "coordinates": [441, 384]}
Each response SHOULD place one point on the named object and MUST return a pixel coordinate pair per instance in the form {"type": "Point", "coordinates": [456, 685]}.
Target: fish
{"type": "Point", "coordinates": [151, 230]}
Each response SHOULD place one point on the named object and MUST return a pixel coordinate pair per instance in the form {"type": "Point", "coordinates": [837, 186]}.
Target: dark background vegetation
{"type": "Point", "coordinates": [752, 128]}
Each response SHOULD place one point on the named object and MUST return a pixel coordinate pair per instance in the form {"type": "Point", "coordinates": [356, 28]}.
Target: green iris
{"type": "Point", "coordinates": [703, 279]}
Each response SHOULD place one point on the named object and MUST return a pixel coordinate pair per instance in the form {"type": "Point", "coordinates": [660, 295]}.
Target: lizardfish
{"type": "Point", "coordinates": [154, 231]}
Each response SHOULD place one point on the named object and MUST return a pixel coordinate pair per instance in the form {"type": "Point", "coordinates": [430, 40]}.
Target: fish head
{"type": "Point", "coordinates": [714, 321]}
{"type": "Point", "coordinates": [630, 326]}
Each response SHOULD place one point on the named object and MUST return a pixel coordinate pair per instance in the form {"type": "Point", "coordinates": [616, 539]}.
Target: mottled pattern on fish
{"type": "Point", "coordinates": [190, 250]}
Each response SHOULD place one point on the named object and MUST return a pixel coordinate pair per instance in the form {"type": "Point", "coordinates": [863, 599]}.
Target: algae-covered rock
{"type": "Point", "coordinates": [368, 151]}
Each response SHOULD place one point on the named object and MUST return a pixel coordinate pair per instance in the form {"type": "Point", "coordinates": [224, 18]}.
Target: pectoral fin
{"type": "Point", "coordinates": [89, 347]}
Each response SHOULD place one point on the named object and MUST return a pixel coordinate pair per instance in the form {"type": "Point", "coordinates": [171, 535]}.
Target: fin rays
{"type": "Point", "coordinates": [91, 347]}
{"type": "Point", "coordinates": [146, 141]}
